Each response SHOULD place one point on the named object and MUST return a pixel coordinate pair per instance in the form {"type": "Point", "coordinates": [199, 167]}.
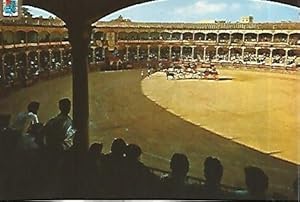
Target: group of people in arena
{"type": "Point", "coordinates": [41, 161]}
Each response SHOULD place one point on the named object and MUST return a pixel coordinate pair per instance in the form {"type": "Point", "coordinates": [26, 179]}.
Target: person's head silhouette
{"type": "Point", "coordinates": [213, 170]}
{"type": "Point", "coordinates": [64, 106]}
{"type": "Point", "coordinates": [118, 147]}
{"type": "Point", "coordinates": [179, 165]}
{"type": "Point", "coordinates": [256, 180]}
{"type": "Point", "coordinates": [95, 149]}
{"type": "Point", "coordinates": [33, 107]}
{"type": "Point", "coordinates": [133, 152]}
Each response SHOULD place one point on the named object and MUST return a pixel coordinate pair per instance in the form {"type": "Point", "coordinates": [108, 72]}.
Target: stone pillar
{"type": "Point", "coordinates": [127, 52]}
{"type": "Point", "coordinates": [217, 51]}
{"type": "Point", "coordinates": [243, 52]}
{"type": "Point", "coordinates": [257, 39]}
{"type": "Point", "coordinates": [217, 37]}
{"type": "Point", "coordinates": [148, 52]}
{"type": "Point", "coordinates": [193, 52]}
{"type": "Point", "coordinates": [271, 55]}
{"type": "Point", "coordinates": [193, 37]}
{"type": "Point", "coordinates": [272, 39]}
{"type": "Point", "coordinates": [244, 37]}
{"type": "Point", "coordinates": [181, 51]}
{"type": "Point", "coordinates": [138, 52]}
{"type": "Point", "coordinates": [256, 53]}
{"type": "Point", "coordinates": [79, 37]}
{"type": "Point", "coordinates": [288, 39]}
{"type": "Point", "coordinates": [158, 57]}
{"type": "Point", "coordinates": [205, 36]}
{"type": "Point", "coordinates": [229, 54]}
{"type": "Point", "coordinates": [181, 36]}
{"type": "Point", "coordinates": [170, 52]}
{"type": "Point", "coordinates": [286, 56]}
{"type": "Point", "coordinates": [204, 53]}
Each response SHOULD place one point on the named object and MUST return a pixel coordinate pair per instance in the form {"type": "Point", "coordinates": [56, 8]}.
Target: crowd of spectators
{"type": "Point", "coordinates": [41, 161]}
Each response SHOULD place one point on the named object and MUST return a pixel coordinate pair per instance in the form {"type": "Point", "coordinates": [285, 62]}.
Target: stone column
{"type": "Point", "coordinates": [256, 53]}
{"type": "Point", "coordinates": [257, 39]}
{"type": "Point", "coordinates": [243, 52]}
{"type": "Point", "coordinates": [243, 37]}
{"type": "Point", "coordinates": [217, 51]}
{"type": "Point", "coordinates": [217, 37]}
{"type": "Point", "coordinates": [181, 36]}
{"type": "Point", "coordinates": [288, 39]}
{"type": "Point", "coordinates": [286, 56]}
{"type": "Point", "coordinates": [272, 39]}
{"type": "Point", "coordinates": [181, 51]}
{"type": "Point", "coordinates": [138, 52]}
{"type": "Point", "coordinates": [127, 52]}
{"type": "Point", "coordinates": [148, 52]}
{"type": "Point", "coordinates": [193, 52]}
{"type": "Point", "coordinates": [204, 53]}
{"type": "Point", "coordinates": [26, 60]}
{"type": "Point", "coordinates": [170, 52]}
{"type": "Point", "coordinates": [79, 37]}
{"type": "Point", "coordinates": [158, 57]}
{"type": "Point", "coordinates": [271, 55]}
{"type": "Point", "coordinates": [205, 36]}
{"type": "Point", "coordinates": [229, 54]}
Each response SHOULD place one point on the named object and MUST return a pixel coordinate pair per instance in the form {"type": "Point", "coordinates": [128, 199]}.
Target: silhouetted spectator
{"type": "Point", "coordinates": [213, 172]}
{"type": "Point", "coordinates": [257, 183]}
{"type": "Point", "coordinates": [174, 185]}
{"type": "Point", "coordinates": [138, 180]}
{"type": "Point", "coordinates": [25, 120]}
{"type": "Point", "coordinates": [59, 131]}
{"type": "Point", "coordinates": [113, 168]}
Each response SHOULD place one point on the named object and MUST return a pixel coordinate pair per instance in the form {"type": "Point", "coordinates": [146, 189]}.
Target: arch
{"type": "Point", "coordinates": [211, 36]}
{"type": "Point", "coordinates": [154, 35]}
{"type": "Point", "coordinates": [199, 52]}
{"type": "Point", "coordinates": [236, 37]}
{"type": "Point", "coordinates": [265, 37]}
{"type": "Point", "coordinates": [166, 36]}
{"type": "Point", "coordinates": [187, 52]}
{"type": "Point", "coordinates": [278, 56]}
{"type": "Point", "coordinates": [280, 38]}
{"type": "Point", "coordinates": [56, 37]}
{"type": "Point", "coordinates": [98, 36]}
{"type": "Point", "coordinates": [44, 37]}
{"type": "Point", "coordinates": [20, 37]}
{"type": "Point", "coordinates": [153, 53]}
{"type": "Point", "coordinates": [175, 53]}
{"type": "Point", "coordinates": [143, 52]}
{"type": "Point", "coordinates": [32, 37]}
{"type": "Point", "coordinates": [9, 66]}
{"type": "Point", "coordinates": [251, 37]}
{"type": "Point", "coordinates": [164, 52]}
{"type": "Point", "coordinates": [8, 37]}
{"type": "Point", "coordinates": [176, 36]}
{"type": "Point", "coordinates": [187, 36]}
{"type": "Point", "coordinates": [224, 37]}
{"type": "Point", "coordinates": [132, 53]}
{"type": "Point", "coordinates": [55, 59]}
{"type": "Point", "coordinates": [133, 36]}
{"type": "Point", "coordinates": [294, 39]}
{"type": "Point", "coordinates": [144, 36]}
{"type": "Point", "coordinates": [199, 36]}
{"type": "Point", "coordinates": [121, 36]}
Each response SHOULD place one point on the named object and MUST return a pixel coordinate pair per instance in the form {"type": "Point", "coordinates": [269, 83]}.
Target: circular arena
{"type": "Point", "coordinates": [236, 120]}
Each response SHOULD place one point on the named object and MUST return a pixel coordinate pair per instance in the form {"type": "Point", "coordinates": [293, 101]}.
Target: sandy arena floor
{"type": "Point", "coordinates": [255, 108]}
{"type": "Point", "coordinates": [260, 110]}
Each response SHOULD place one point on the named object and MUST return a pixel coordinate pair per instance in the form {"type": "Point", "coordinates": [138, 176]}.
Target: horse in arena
{"type": "Point", "coordinates": [211, 72]}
